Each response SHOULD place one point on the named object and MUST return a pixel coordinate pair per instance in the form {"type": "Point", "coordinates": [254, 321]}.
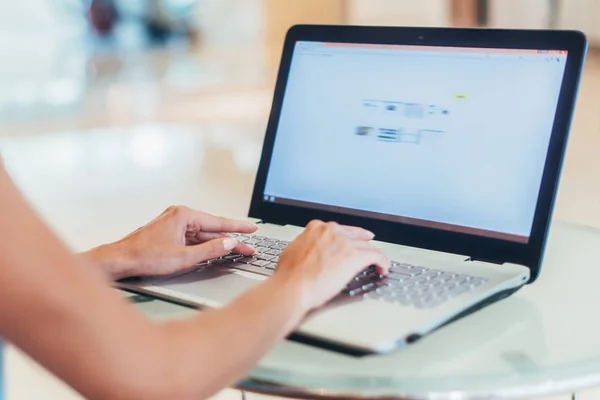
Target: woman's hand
{"type": "Point", "coordinates": [177, 240]}
{"type": "Point", "coordinates": [324, 258]}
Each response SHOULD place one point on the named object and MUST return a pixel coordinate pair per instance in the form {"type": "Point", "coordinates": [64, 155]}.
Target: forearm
{"type": "Point", "coordinates": [184, 359]}
{"type": "Point", "coordinates": [104, 348]}
{"type": "Point", "coordinates": [220, 346]}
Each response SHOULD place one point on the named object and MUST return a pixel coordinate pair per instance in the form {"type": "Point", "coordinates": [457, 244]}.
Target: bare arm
{"type": "Point", "coordinates": [68, 318]}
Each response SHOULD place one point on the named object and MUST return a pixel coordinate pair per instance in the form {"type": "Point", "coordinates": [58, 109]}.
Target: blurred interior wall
{"type": "Point", "coordinates": [582, 15]}
{"type": "Point", "coordinates": [281, 15]}
{"type": "Point", "coordinates": [532, 14]}
{"type": "Point", "coordinates": [399, 12]}
{"type": "Point", "coordinates": [217, 18]}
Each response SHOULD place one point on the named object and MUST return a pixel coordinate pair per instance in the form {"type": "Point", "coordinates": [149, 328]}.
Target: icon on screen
{"type": "Point", "coordinates": [266, 198]}
{"type": "Point", "coordinates": [364, 130]}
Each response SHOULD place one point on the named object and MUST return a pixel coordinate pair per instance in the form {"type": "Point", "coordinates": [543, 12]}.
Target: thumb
{"type": "Point", "coordinates": [208, 250]}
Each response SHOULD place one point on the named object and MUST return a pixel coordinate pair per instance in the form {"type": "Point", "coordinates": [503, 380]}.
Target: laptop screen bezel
{"type": "Point", "coordinates": [477, 247]}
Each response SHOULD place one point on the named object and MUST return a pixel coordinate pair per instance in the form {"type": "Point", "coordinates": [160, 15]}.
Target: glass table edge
{"type": "Point", "coordinates": [535, 388]}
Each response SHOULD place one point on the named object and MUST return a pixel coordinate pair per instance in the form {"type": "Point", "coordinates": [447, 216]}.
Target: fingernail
{"type": "Point", "coordinates": [371, 234]}
{"type": "Point", "coordinates": [229, 243]}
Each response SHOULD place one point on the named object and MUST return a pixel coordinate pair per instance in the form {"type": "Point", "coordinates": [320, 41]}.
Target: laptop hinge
{"type": "Point", "coordinates": [482, 260]}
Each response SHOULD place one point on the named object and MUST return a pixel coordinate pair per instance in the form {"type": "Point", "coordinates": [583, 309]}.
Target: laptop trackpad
{"type": "Point", "coordinates": [215, 284]}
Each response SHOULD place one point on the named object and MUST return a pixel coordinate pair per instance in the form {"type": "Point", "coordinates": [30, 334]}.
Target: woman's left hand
{"type": "Point", "coordinates": [176, 240]}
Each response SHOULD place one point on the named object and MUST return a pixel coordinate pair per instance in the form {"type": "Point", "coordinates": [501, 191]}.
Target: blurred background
{"type": "Point", "coordinates": [94, 63]}
{"type": "Point", "coordinates": [137, 104]}
{"type": "Point", "coordinates": [208, 67]}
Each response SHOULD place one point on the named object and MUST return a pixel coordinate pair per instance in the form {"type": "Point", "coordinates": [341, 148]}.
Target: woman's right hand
{"type": "Point", "coordinates": [325, 257]}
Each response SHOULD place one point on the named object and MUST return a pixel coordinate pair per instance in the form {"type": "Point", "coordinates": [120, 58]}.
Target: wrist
{"type": "Point", "coordinates": [111, 259]}
{"type": "Point", "coordinates": [294, 290]}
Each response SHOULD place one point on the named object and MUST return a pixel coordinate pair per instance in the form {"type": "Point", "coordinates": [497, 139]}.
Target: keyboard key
{"type": "Point", "coordinates": [369, 286]}
{"type": "Point", "coordinates": [430, 274]}
{"type": "Point", "coordinates": [446, 276]}
{"type": "Point", "coordinates": [418, 270]}
{"type": "Point", "coordinates": [247, 260]}
{"type": "Point", "coordinates": [233, 257]}
{"type": "Point", "coordinates": [403, 270]}
{"type": "Point", "coordinates": [252, 241]}
{"type": "Point", "coordinates": [405, 301]}
{"type": "Point", "coordinates": [477, 282]}
{"type": "Point", "coordinates": [397, 276]}
{"type": "Point", "coordinates": [261, 263]}
{"type": "Point", "coordinates": [252, 268]}
{"type": "Point", "coordinates": [458, 290]}
{"type": "Point", "coordinates": [390, 297]}
{"type": "Point", "coordinates": [262, 249]}
{"type": "Point", "coordinates": [271, 266]}
{"type": "Point", "coordinates": [426, 290]}
{"type": "Point", "coordinates": [355, 284]}
{"type": "Point", "coordinates": [262, 256]}
{"type": "Point", "coordinates": [273, 252]}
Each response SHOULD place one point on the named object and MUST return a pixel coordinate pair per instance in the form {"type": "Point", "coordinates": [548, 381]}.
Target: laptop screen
{"type": "Point", "coordinates": [441, 137]}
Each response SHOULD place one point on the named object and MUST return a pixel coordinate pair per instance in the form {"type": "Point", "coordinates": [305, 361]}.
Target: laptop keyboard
{"type": "Point", "coordinates": [405, 284]}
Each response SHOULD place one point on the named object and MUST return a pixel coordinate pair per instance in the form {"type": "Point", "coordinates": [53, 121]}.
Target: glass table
{"type": "Point", "coordinates": [543, 340]}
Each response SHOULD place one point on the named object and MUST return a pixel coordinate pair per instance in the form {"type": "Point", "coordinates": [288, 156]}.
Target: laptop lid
{"type": "Point", "coordinates": [445, 139]}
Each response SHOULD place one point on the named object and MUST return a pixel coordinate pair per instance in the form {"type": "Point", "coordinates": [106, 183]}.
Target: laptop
{"type": "Point", "coordinates": [447, 143]}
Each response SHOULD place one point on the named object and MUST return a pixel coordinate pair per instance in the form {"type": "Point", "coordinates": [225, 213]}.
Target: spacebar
{"type": "Point", "coordinates": [251, 268]}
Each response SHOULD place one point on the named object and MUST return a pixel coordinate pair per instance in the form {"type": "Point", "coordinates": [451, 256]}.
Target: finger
{"type": "Point", "coordinates": [201, 237]}
{"type": "Point", "coordinates": [353, 232]}
{"type": "Point", "coordinates": [209, 250]}
{"type": "Point", "coordinates": [371, 255]}
{"type": "Point", "coordinates": [245, 249]}
{"type": "Point", "coordinates": [210, 223]}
